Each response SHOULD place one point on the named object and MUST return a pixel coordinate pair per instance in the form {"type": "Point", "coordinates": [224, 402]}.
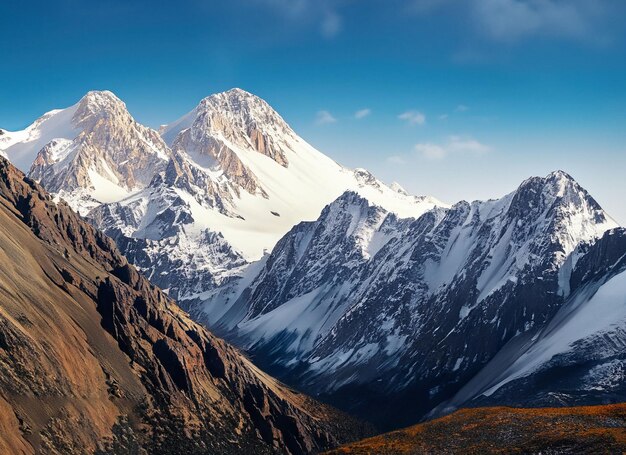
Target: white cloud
{"type": "Point", "coordinates": [324, 118]}
{"type": "Point", "coordinates": [431, 151]}
{"type": "Point", "coordinates": [396, 159]}
{"type": "Point", "coordinates": [511, 20]}
{"type": "Point", "coordinates": [462, 108]}
{"type": "Point", "coordinates": [413, 117]}
{"type": "Point", "coordinates": [453, 145]}
{"type": "Point", "coordinates": [515, 20]}
{"type": "Point", "coordinates": [362, 113]}
{"type": "Point", "coordinates": [443, 117]}
{"type": "Point", "coordinates": [467, 145]}
{"type": "Point", "coordinates": [331, 24]}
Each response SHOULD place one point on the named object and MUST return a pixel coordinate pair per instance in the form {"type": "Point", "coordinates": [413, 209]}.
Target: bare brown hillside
{"type": "Point", "coordinates": [95, 359]}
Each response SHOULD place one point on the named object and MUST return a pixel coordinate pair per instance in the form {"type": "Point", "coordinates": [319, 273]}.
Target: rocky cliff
{"type": "Point", "coordinates": [94, 359]}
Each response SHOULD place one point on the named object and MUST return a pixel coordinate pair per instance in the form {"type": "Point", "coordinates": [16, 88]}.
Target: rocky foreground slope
{"type": "Point", "coordinates": [93, 358]}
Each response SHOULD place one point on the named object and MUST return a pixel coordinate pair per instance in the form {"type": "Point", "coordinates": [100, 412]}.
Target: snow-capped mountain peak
{"type": "Point", "coordinates": [22, 147]}
{"type": "Point", "coordinates": [228, 137]}
{"type": "Point", "coordinates": [563, 206]}
{"type": "Point", "coordinates": [91, 152]}
{"type": "Point", "coordinates": [361, 294]}
{"type": "Point", "coordinates": [233, 117]}
{"type": "Point", "coordinates": [96, 105]}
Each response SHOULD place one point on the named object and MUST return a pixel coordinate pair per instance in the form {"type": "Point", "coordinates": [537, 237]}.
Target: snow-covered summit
{"type": "Point", "coordinates": [91, 152]}
{"type": "Point", "coordinates": [234, 178]}
{"type": "Point", "coordinates": [96, 105]}
{"type": "Point", "coordinates": [237, 115]}
{"type": "Point", "coordinates": [361, 294]}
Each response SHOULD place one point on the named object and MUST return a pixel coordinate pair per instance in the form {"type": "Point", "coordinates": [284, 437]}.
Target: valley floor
{"type": "Point", "coordinates": [586, 429]}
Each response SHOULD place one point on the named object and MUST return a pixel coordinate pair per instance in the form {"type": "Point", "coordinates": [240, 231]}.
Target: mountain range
{"type": "Point", "coordinates": [369, 311]}
{"type": "Point", "coordinates": [95, 359]}
{"type": "Point", "coordinates": [214, 192]}
{"type": "Point", "coordinates": [390, 306]}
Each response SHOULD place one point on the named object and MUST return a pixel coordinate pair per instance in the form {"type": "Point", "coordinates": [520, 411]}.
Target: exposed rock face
{"type": "Point", "coordinates": [226, 123]}
{"type": "Point", "coordinates": [111, 150]}
{"type": "Point", "coordinates": [93, 358]}
{"type": "Point", "coordinates": [236, 179]}
{"type": "Point", "coordinates": [372, 311]}
{"type": "Point", "coordinates": [578, 357]}
{"type": "Point", "coordinates": [233, 117]}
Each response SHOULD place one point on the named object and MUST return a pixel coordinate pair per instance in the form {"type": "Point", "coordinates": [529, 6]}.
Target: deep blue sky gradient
{"type": "Point", "coordinates": [543, 81]}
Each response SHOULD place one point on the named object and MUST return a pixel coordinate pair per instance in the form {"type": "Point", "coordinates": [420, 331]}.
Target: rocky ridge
{"type": "Point", "coordinates": [95, 358]}
{"type": "Point", "coordinates": [361, 303]}
{"type": "Point", "coordinates": [230, 176]}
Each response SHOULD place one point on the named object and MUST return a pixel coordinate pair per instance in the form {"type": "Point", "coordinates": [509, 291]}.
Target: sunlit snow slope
{"type": "Point", "coordinates": [215, 190]}
{"type": "Point", "coordinates": [274, 178]}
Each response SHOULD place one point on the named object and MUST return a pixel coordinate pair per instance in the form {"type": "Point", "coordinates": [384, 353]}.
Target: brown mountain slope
{"type": "Point", "coordinates": [95, 359]}
{"type": "Point", "coordinates": [587, 429]}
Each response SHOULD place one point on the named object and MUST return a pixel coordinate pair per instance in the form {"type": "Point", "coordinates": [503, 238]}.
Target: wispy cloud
{"type": "Point", "coordinates": [443, 117]}
{"type": "Point", "coordinates": [331, 24]}
{"type": "Point", "coordinates": [413, 117]}
{"type": "Point", "coordinates": [453, 145]}
{"type": "Point", "coordinates": [304, 13]}
{"type": "Point", "coordinates": [324, 118]}
{"type": "Point", "coordinates": [362, 113]}
{"type": "Point", "coordinates": [511, 20]}
{"type": "Point", "coordinates": [431, 151]}
{"type": "Point", "coordinates": [515, 20]}
{"type": "Point", "coordinates": [396, 159]}
{"type": "Point", "coordinates": [461, 108]}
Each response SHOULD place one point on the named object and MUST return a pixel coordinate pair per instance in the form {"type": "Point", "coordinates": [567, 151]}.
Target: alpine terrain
{"type": "Point", "coordinates": [390, 306]}
{"type": "Point", "coordinates": [212, 193]}
{"type": "Point", "coordinates": [379, 314]}
{"type": "Point", "coordinates": [94, 359]}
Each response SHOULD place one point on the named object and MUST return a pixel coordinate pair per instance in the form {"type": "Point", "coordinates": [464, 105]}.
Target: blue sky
{"type": "Point", "coordinates": [461, 99]}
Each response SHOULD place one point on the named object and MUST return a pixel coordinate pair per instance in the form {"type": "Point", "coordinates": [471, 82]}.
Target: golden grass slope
{"type": "Point", "coordinates": [500, 430]}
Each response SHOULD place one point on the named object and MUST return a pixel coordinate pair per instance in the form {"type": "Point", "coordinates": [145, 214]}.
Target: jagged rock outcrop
{"type": "Point", "coordinates": [95, 359]}
{"type": "Point", "coordinates": [372, 311]}
{"type": "Point", "coordinates": [236, 117]}
{"type": "Point", "coordinates": [110, 154]}
{"type": "Point", "coordinates": [236, 179]}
